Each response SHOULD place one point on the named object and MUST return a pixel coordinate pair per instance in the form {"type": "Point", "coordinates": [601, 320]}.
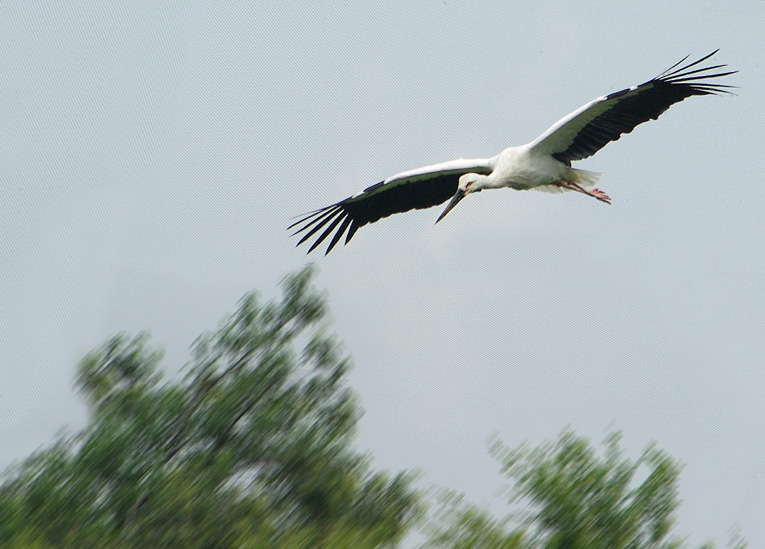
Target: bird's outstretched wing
{"type": "Point", "coordinates": [587, 130]}
{"type": "Point", "coordinates": [413, 189]}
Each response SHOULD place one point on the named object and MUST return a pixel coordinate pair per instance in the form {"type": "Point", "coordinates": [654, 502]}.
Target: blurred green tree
{"type": "Point", "coordinates": [251, 449]}
{"type": "Point", "coordinates": [570, 498]}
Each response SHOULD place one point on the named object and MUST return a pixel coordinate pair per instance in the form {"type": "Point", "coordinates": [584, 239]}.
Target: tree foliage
{"type": "Point", "coordinates": [250, 449]}
{"type": "Point", "coordinates": [571, 498]}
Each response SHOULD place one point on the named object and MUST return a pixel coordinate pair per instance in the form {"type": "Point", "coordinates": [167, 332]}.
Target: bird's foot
{"type": "Point", "coordinates": [595, 193]}
{"type": "Point", "coordinates": [600, 195]}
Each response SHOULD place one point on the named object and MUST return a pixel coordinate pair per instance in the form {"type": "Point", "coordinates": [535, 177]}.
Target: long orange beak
{"type": "Point", "coordinates": [459, 195]}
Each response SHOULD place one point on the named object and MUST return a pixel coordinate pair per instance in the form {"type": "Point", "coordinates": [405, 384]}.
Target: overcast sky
{"type": "Point", "coordinates": [152, 155]}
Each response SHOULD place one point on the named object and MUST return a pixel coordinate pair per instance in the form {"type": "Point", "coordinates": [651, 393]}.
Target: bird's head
{"type": "Point", "coordinates": [469, 183]}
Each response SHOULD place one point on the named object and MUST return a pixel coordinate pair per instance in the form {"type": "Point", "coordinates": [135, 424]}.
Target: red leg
{"type": "Point", "coordinates": [595, 193]}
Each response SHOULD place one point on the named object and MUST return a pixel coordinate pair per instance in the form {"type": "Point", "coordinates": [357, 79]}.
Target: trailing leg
{"type": "Point", "coordinates": [595, 193]}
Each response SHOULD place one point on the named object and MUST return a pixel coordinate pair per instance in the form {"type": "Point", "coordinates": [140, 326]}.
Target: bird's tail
{"type": "Point", "coordinates": [586, 178]}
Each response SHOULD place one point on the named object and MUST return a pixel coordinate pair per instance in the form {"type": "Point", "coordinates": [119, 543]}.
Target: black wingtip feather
{"type": "Point", "coordinates": [352, 231]}
{"type": "Point", "coordinates": [326, 233]}
{"type": "Point", "coordinates": [318, 226]}
{"type": "Point", "coordinates": [696, 79]}
{"type": "Point", "coordinates": [308, 215]}
{"type": "Point", "coordinates": [338, 234]}
{"type": "Point", "coordinates": [667, 73]}
{"type": "Point", "coordinates": [673, 66]}
{"type": "Point", "coordinates": [311, 219]}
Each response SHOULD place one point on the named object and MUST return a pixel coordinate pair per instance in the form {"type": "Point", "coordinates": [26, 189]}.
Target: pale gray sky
{"type": "Point", "coordinates": [152, 156]}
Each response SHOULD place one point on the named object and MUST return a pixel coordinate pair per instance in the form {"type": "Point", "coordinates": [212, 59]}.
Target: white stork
{"type": "Point", "coordinates": [543, 164]}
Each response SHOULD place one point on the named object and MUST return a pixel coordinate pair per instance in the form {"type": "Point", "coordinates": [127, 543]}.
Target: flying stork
{"type": "Point", "coordinates": [543, 164]}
